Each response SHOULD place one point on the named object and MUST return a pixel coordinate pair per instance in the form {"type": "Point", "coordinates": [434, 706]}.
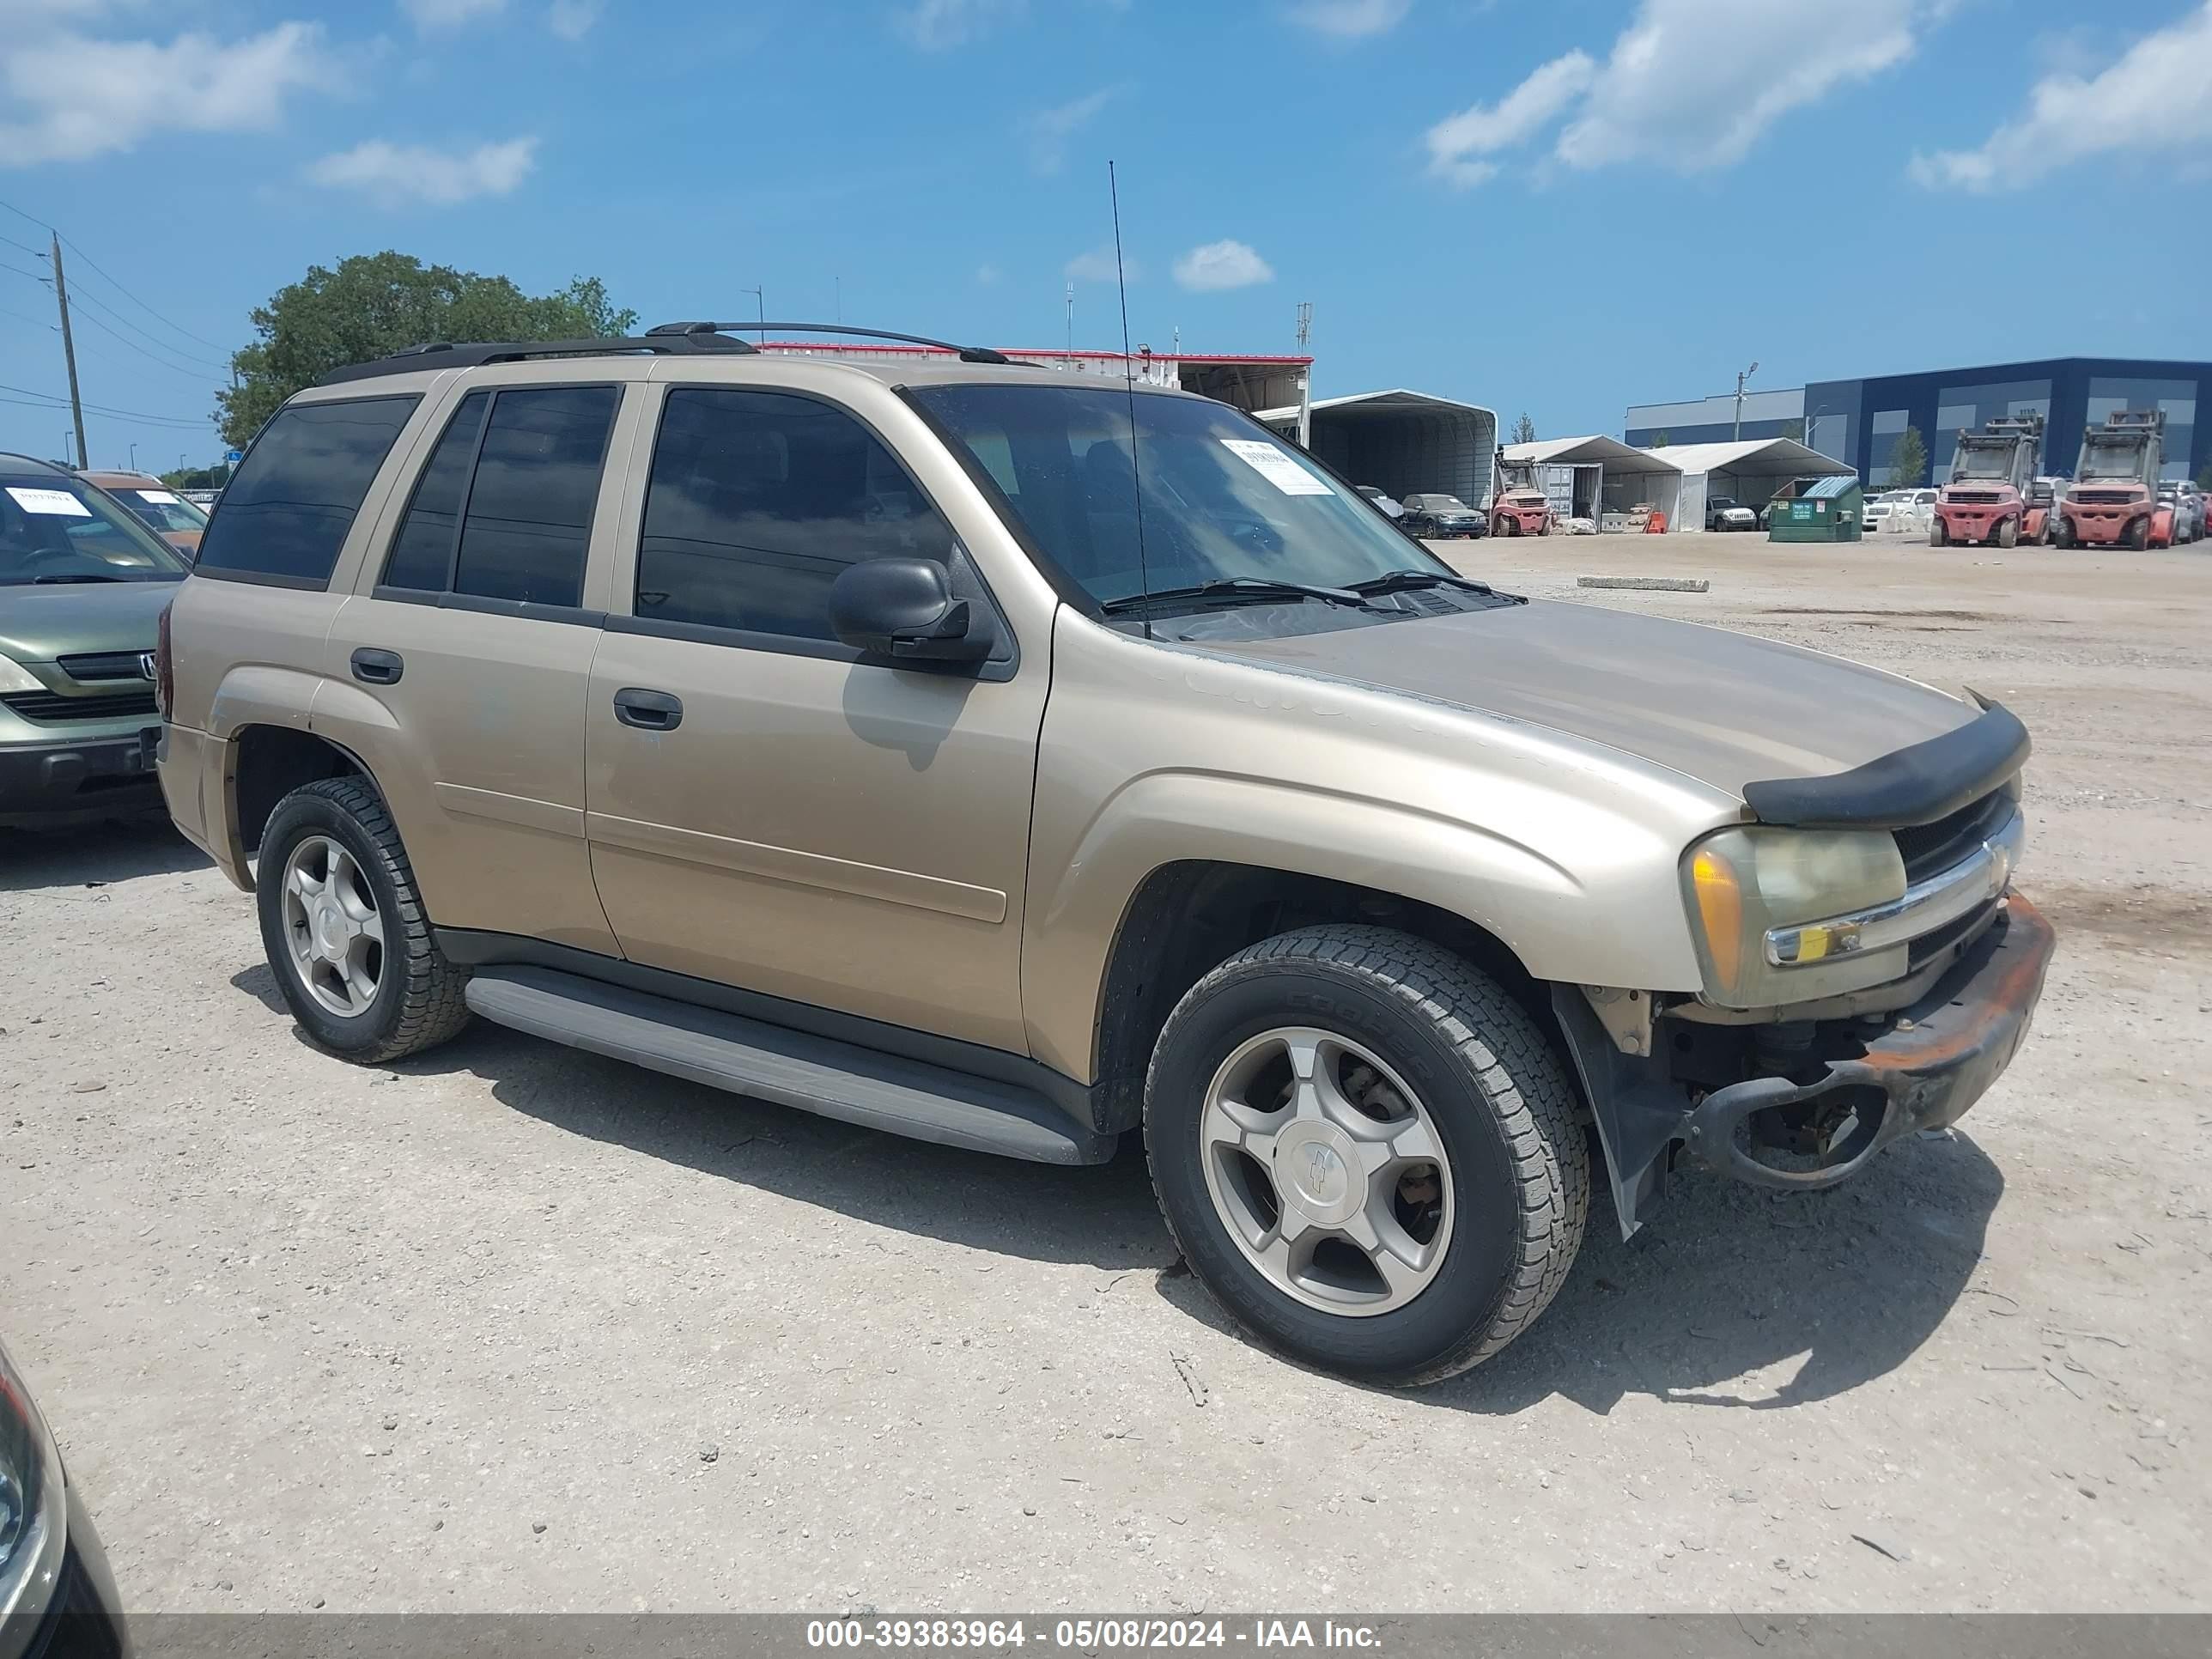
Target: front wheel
{"type": "Point", "coordinates": [345, 930]}
{"type": "Point", "coordinates": [1367, 1151]}
{"type": "Point", "coordinates": [1937, 535]}
{"type": "Point", "coordinates": [2009, 534]}
{"type": "Point", "coordinates": [2139, 535]}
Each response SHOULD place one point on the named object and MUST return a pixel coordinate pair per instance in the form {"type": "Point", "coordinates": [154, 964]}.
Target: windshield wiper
{"type": "Point", "coordinates": [44, 580]}
{"type": "Point", "coordinates": [1397, 581]}
{"type": "Point", "coordinates": [1240, 587]}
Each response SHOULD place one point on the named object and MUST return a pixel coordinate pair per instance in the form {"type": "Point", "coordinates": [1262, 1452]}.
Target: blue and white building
{"type": "Point", "coordinates": [1859, 421]}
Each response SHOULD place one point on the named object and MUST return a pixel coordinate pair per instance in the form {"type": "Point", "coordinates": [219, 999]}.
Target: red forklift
{"type": "Point", "coordinates": [2113, 499]}
{"type": "Point", "coordinates": [1518, 505]}
{"type": "Point", "coordinates": [1987, 498]}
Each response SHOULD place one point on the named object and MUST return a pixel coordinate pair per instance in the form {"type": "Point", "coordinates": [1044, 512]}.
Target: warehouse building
{"type": "Point", "coordinates": [1859, 421]}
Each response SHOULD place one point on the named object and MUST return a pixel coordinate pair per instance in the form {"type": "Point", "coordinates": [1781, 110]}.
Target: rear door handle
{"type": "Point", "coordinates": [376, 667]}
{"type": "Point", "coordinates": [649, 711]}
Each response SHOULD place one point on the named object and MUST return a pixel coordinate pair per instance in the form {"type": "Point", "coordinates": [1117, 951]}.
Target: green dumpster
{"type": "Point", "coordinates": [1816, 510]}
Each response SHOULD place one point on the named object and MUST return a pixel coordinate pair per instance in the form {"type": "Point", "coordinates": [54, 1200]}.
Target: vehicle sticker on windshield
{"type": "Point", "coordinates": [159, 497]}
{"type": "Point", "coordinates": [59, 504]}
{"type": "Point", "coordinates": [1277, 468]}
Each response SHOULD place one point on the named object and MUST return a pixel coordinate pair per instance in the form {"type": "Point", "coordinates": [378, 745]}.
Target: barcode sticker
{"type": "Point", "coordinates": [55, 503]}
{"type": "Point", "coordinates": [159, 497]}
{"type": "Point", "coordinates": [1276, 467]}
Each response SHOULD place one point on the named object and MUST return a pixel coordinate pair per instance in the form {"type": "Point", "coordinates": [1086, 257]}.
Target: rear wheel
{"type": "Point", "coordinates": [1366, 1152]}
{"type": "Point", "coordinates": [344, 928]}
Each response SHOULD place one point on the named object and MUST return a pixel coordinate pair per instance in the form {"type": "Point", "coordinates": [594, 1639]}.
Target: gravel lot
{"type": "Point", "coordinates": [512, 1328]}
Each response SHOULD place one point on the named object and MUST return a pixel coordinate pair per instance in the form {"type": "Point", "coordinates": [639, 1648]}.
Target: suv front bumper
{"type": "Point", "coordinates": [57, 779]}
{"type": "Point", "coordinates": [1936, 1060]}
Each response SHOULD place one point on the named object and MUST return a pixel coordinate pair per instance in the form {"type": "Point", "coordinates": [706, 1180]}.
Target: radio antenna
{"type": "Point", "coordinates": [1129, 387]}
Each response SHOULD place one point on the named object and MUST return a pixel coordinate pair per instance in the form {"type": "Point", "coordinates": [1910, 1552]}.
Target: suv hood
{"type": "Point", "coordinates": [38, 625]}
{"type": "Point", "coordinates": [1725, 708]}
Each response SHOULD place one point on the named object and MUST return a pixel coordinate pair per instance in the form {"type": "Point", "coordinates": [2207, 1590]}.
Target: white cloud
{"type": "Point", "coordinates": [1689, 84]}
{"type": "Point", "coordinates": [1049, 129]}
{"type": "Point", "coordinates": [1222, 265]}
{"type": "Point", "coordinates": [394, 174]}
{"type": "Point", "coordinates": [1351, 20]}
{"type": "Point", "coordinates": [1098, 266]}
{"type": "Point", "coordinates": [2150, 100]}
{"type": "Point", "coordinates": [1457, 142]}
{"type": "Point", "coordinates": [572, 20]}
{"type": "Point", "coordinates": [935, 25]}
{"type": "Point", "coordinates": [65, 97]}
{"type": "Point", "coordinates": [430, 14]}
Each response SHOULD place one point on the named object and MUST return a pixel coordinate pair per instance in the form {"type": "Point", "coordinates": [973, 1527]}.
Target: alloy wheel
{"type": "Point", "coordinates": [332, 925]}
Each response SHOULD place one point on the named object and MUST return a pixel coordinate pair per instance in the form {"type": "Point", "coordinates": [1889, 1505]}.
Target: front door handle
{"type": "Point", "coordinates": [648, 711]}
{"type": "Point", "coordinates": [375, 667]}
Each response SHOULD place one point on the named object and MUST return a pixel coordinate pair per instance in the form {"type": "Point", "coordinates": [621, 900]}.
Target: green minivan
{"type": "Point", "coordinates": [83, 586]}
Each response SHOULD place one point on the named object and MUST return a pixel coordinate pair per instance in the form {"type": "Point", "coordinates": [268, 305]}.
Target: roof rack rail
{"type": "Point", "coordinates": [446, 354]}
{"type": "Point", "coordinates": [967, 354]}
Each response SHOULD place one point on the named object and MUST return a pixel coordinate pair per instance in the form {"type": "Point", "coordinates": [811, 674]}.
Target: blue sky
{"type": "Point", "coordinates": [1562, 208]}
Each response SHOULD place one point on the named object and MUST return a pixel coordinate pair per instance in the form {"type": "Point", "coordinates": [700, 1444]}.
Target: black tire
{"type": "Point", "coordinates": [2009, 534]}
{"type": "Point", "coordinates": [419, 997]}
{"type": "Point", "coordinates": [1938, 536]}
{"type": "Point", "coordinates": [2138, 536]}
{"type": "Point", "coordinates": [2063, 534]}
{"type": "Point", "coordinates": [1493, 1088]}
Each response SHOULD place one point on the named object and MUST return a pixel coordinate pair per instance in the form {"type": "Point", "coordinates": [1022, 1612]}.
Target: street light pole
{"type": "Point", "coordinates": [1740, 379]}
{"type": "Point", "coordinates": [134, 458]}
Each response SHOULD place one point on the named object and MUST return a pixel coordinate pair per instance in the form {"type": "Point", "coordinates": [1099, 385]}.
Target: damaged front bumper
{"type": "Point", "coordinates": [1925, 1068]}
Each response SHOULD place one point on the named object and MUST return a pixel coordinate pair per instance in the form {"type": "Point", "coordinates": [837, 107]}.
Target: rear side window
{"type": "Point", "coordinates": [757, 500]}
{"type": "Point", "coordinates": [503, 509]}
{"type": "Point", "coordinates": [285, 514]}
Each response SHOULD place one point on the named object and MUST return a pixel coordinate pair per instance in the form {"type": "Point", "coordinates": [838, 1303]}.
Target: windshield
{"type": "Point", "coordinates": [163, 509]}
{"type": "Point", "coordinates": [1223, 497]}
{"type": "Point", "coordinates": [1446, 504]}
{"type": "Point", "coordinates": [2103, 458]}
{"type": "Point", "coordinates": [59, 529]}
{"type": "Point", "coordinates": [1979, 463]}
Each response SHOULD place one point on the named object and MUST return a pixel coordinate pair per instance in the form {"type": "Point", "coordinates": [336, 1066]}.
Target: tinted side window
{"type": "Point", "coordinates": [757, 500]}
{"type": "Point", "coordinates": [422, 551]}
{"type": "Point", "coordinates": [529, 512]}
{"type": "Point", "coordinates": [287, 512]}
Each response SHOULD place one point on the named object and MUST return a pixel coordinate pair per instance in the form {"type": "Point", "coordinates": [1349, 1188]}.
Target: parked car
{"type": "Point", "coordinates": [57, 1598]}
{"type": "Point", "coordinates": [203, 499]}
{"type": "Point", "coordinates": [2187, 503]}
{"type": "Point", "coordinates": [1438, 517]}
{"type": "Point", "coordinates": [1726, 512]}
{"type": "Point", "coordinates": [1393, 509]}
{"type": "Point", "coordinates": [169, 514]}
{"type": "Point", "coordinates": [844, 741]}
{"type": "Point", "coordinates": [81, 584]}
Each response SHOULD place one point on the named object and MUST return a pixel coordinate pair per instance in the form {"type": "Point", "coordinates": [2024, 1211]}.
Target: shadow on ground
{"type": "Point", "coordinates": [95, 854]}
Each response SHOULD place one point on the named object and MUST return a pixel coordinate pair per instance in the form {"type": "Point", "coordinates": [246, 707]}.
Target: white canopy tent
{"type": "Point", "coordinates": [1748, 472]}
{"type": "Point", "coordinates": [1588, 478]}
{"type": "Point", "coordinates": [1400, 441]}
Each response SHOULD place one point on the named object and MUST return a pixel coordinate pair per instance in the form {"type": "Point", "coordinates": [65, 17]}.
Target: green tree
{"type": "Point", "coordinates": [374, 304]}
{"type": "Point", "coordinates": [1908, 460]}
{"type": "Point", "coordinates": [2204, 478]}
{"type": "Point", "coordinates": [199, 478]}
{"type": "Point", "coordinates": [1524, 430]}
{"type": "Point", "coordinates": [1660, 439]}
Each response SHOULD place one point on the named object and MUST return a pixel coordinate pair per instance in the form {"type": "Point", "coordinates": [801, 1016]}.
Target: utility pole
{"type": "Point", "coordinates": [1740, 378]}
{"type": "Point", "coordinates": [1305, 323]}
{"type": "Point", "coordinates": [1071, 319]}
{"type": "Point", "coordinates": [69, 356]}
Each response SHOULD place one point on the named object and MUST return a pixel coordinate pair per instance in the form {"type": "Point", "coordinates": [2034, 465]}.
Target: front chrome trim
{"type": "Point", "coordinates": [1927, 905]}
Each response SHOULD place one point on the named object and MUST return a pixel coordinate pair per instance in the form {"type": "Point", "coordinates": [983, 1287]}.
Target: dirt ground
{"type": "Point", "coordinates": [513, 1328]}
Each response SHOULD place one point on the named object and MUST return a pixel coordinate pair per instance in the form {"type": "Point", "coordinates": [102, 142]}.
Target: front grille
{"type": "Point", "coordinates": [1973, 497]}
{"type": "Point", "coordinates": [51, 706]}
{"type": "Point", "coordinates": [1925, 948]}
{"type": "Point", "coordinates": [1930, 848]}
{"type": "Point", "coordinates": [2103, 497]}
{"type": "Point", "coordinates": [92, 665]}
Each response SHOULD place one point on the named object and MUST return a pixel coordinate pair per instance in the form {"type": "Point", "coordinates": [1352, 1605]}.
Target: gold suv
{"type": "Point", "coordinates": [994, 756]}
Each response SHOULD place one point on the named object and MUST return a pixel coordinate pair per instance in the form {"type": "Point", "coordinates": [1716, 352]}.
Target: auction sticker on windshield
{"type": "Point", "coordinates": [159, 497]}
{"type": "Point", "coordinates": [57, 502]}
{"type": "Point", "coordinates": [1277, 468]}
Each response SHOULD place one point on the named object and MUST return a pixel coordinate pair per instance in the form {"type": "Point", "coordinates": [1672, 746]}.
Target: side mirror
{"type": "Point", "coordinates": [903, 608]}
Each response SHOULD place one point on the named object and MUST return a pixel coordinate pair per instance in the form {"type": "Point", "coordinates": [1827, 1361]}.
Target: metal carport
{"type": "Point", "coordinates": [1401, 441]}
{"type": "Point", "coordinates": [1588, 478]}
{"type": "Point", "coordinates": [1749, 472]}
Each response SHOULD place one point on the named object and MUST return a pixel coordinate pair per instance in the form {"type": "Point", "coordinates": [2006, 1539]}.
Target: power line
{"type": "Point", "coordinates": [21, 318]}
{"type": "Point", "coordinates": [124, 363]}
{"type": "Point", "coordinates": [84, 299]}
{"type": "Point", "coordinates": [96, 266]}
{"type": "Point", "coordinates": [35, 276]}
{"type": "Point", "coordinates": [35, 252]}
{"type": "Point", "coordinates": [49, 399]}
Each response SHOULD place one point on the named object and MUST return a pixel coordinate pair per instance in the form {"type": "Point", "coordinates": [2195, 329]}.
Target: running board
{"type": "Point", "coordinates": [793, 1068]}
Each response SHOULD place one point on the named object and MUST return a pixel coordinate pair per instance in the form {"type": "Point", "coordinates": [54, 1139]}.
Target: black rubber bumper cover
{"type": "Point", "coordinates": [63, 777]}
{"type": "Point", "coordinates": [84, 1620]}
{"type": "Point", "coordinates": [1938, 1059]}
{"type": "Point", "coordinates": [1916, 785]}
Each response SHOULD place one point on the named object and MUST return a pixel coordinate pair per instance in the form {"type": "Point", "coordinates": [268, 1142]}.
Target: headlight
{"type": "Point", "coordinates": [1743, 881]}
{"type": "Point", "coordinates": [34, 1524]}
{"type": "Point", "coordinates": [14, 676]}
